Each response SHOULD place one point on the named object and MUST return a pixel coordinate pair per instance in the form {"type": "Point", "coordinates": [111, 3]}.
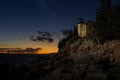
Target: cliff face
{"type": "Point", "coordinates": [88, 60]}
{"type": "Point", "coordinates": [90, 47]}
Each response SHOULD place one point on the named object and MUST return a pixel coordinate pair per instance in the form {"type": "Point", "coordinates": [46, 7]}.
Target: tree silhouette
{"type": "Point", "coordinates": [108, 21]}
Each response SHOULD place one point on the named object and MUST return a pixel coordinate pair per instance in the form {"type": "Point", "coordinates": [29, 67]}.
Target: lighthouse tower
{"type": "Point", "coordinates": [81, 28]}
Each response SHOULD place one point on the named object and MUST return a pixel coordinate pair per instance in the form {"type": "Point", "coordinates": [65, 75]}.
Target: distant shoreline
{"type": "Point", "coordinates": [20, 54]}
{"type": "Point", "coordinates": [27, 54]}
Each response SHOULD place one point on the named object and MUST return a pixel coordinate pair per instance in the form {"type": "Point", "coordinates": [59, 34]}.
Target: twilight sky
{"type": "Point", "coordinates": [20, 19]}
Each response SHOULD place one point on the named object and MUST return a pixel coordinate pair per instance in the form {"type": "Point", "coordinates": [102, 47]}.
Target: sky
{"type": "Point", "coordinates": [20, 19]}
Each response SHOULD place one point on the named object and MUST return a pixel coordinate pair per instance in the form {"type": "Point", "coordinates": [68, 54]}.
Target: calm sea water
{"type": "Point", "coordinates": [18, 59]}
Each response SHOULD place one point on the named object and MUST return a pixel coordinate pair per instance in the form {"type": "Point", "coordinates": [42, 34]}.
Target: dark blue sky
{"type": "Point", "coordinates": [21, 18]}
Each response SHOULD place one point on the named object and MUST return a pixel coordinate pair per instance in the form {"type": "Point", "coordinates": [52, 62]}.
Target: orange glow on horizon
{"type": "Point", "coordinates": [45, 48]}
{"type": "Point", "coordinates": [48, 50]}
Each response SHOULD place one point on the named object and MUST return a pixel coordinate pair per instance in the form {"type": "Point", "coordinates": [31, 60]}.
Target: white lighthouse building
{"type": "Point", "coordinates": [81, 28]}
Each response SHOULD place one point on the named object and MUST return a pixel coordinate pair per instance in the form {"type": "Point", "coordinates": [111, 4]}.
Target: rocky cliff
{"type": "Point", "coordinates": [90, 47]}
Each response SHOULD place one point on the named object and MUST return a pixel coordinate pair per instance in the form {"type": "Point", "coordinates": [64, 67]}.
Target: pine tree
{"type": "Point", "coordinates": [108, 21]}
{"type": "Point", "coordinates": [116, 21]}
{"type": "Point", "coordinates": [75, 31]}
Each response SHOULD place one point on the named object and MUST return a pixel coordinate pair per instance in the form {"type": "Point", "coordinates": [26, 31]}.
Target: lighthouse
{"type": "Point", "coordinates": [81, 28]}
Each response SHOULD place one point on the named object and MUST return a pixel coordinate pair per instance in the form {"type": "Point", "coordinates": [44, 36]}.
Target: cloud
{"type": "Point", "coordinates": [32, 38]}
{"type": "Point", "coordinates": [43, 37]}
{"type": "Point", "coordinates": [19, 50]}
{"type": "Point", "coordinates": [46, 34]}
{"type": "Point", "coordinates": [48, 39]}
{"type": "Point", "coordinates": [32, 50]}
{"type": "Point", "coordinates": [2, 44]}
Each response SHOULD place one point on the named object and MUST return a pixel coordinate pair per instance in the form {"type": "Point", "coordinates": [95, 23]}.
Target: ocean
{"type": "Point", "coordinates": [18, 59]}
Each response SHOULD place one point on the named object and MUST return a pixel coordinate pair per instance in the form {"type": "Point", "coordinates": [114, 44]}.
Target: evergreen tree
{"type": "Point", "coordinates": [75, 31]}
{"type": "Point", "coordinates": [116, 21]}
{"type": "Point", "coordinates": [108, 21]}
